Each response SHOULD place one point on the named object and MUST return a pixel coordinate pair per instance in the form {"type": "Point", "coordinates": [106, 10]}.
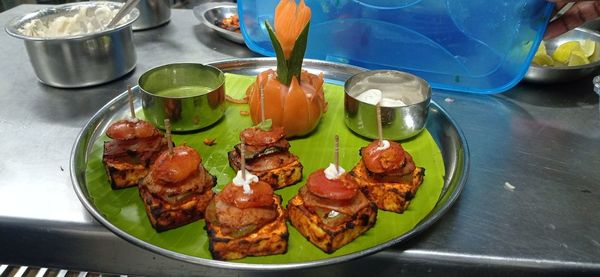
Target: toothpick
{"type": "Point", "coordinates": [379, 127]}
{"type": "Point", "coordinates": [243, 160]}
{"type": "Point", "coordinates": [336, 153]}
{"type": "Point", "coordinates": [168, 135]}
{"type": "Point", "coordinates": [130, 96]}
{"type": "Point", "coordinates": [262, 103]}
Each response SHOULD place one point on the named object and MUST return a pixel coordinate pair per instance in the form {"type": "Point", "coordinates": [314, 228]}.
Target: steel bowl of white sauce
{"type": "Point", "coordinates": [69, 46]}
{"type": "Point", "coordinates": [404, 101]}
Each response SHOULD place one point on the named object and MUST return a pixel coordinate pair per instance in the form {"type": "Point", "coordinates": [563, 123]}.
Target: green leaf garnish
{"type": "Point", "coordinates": [286, 69]}
{"type": "Point", "coordinates": [295, 62]}
{"type": "Point", "coordinates": [282, 69]}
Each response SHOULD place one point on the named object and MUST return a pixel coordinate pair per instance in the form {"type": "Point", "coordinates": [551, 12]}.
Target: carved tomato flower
{"type": "Point", "coordinates": [290, 20]}
{"type": "Point", "coordinates": [293, 98]}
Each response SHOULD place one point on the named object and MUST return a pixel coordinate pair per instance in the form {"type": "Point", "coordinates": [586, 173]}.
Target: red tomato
{"type": "Point", "coordinates": [383, 161]}
{"type": "Point", "coordinates": [178, 165]}
{"type": "Point", "coordinates": [342, 188]}
{"type": "Point", "coordinates": [261, 196]}
{"type": "Point", "coordinates": [131, 128]}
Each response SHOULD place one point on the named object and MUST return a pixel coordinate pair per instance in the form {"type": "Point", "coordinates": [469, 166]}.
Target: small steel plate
{"type": "Point", "coordinates": [210, 15]}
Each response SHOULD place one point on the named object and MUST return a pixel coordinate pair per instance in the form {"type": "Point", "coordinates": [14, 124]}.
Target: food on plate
{"type": "Point", "coordinates": [267, 156]}
{"type": "Point", "coordinates": [374, 96]}
{"type": "Point", "coordinates": [246, 219]}
{"type": "Point", "coordinates": [387, 175]}
{"type": "Point", "coordinates": [134, 146]}
{"type": "Point", "coordinates": [330, 210]}
{"type": "Point", "coordinates": [209, 141]}
{"type": "Point", "coordinates": [177, 189]}
{"type": "Point", "coordinates": [570, 53]}
{"type": "Point", "coordinates": [87, 20]}
{"type": "Point", "coordinates": [231, 23]}
{"type": "Point", "coordinates": [293, 97]}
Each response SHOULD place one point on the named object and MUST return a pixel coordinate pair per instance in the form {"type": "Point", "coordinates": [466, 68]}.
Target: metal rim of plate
{"type": "Point", "coordinates": [444, 130]}
{"type": "Point", "coordinates": [201, 11]}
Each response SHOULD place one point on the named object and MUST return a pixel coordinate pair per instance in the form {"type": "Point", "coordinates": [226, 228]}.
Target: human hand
{"type": "Point", "coordinates": [582, 11]}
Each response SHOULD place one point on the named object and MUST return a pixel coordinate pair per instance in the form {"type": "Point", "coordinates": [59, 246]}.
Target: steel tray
{"type": "Point", "coordinates": [442, 128]}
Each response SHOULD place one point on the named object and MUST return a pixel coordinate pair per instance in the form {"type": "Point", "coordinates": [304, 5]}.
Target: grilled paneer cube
{"type": "Point", "coordinates": [326, 236]}
{"type": "Point", "coordinates": [388, 195]}
{"type": "Point", "coordinates": [134, 146]}
{"type": "Point", "coordinates": [126, 168]}
{"type": "Point", "coordinates": [122, 174]}
{"type": "Point", "coordinates": [270, 239]}
{"type": "Point", "coordinates": [169, 207]}
{"type": "Point", "coordinates": [267, 155]}
{"type": "Point", "coordinates": [277, 169]}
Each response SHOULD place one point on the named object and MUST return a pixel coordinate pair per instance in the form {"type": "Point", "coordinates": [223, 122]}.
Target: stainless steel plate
{"type": "Point", "coordinates": [210, 15]}
{"type": "Point", "coordinates": [559, 74]}
{"type": "Point", "coordinates": [445, 132]}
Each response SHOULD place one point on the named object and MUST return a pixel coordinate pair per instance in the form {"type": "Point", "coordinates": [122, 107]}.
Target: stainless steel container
{"type": "Point", "coordinates": [153, 13]}
{"type": "Point", "coordinates": [403, 115]}
{"type": "Point", "coordinates": [190, 95]}
{"type": "Point", "coordinates": [81, 60]}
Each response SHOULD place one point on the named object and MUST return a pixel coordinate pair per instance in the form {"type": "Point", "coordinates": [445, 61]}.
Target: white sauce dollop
{"type": "Point", "coordinates": [245, 183]}
{"type": "Point", "coordinates": [373, 96]}
{"type": "Point", "coordinates": [332, 173]}
{"type": "Point", "coordinates": [333, 213]}
{"type": "Point", "coordinates": [384, 144]}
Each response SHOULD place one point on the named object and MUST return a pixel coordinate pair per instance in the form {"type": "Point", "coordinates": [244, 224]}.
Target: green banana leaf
{"type": "Point", "coordinates": [125, 210]}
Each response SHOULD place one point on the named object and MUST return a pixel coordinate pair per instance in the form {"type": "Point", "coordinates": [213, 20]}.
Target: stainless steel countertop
{"type": "Point", "coordinates": [543, 140]}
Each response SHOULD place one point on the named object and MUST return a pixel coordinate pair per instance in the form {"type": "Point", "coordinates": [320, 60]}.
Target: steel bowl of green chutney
{"type": "Point", "coordinates": [190, 95]}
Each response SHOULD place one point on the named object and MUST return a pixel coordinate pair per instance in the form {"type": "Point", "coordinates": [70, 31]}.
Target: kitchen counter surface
{"type": "Point", "coordinates": [544, 140]}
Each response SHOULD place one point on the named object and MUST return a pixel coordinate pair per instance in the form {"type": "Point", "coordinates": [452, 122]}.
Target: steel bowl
{"type": "Point", "coordinates": [558, 74]}
{"type": "Point", "coordinates": [79, 60]}
{"type": "Point", "coordinates": [153, 13]}
{"type": "Point", "coordinates": [399, 121]}
{"type": "Point", "coordinates": [190, 95]}
{"type": "Point", "coordinates": [212, 15]}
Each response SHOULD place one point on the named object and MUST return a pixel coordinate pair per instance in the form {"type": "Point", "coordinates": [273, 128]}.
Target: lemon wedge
{"type": "Point", "coordinates": [571, 53]}
{"type": "Point", "coordinates": [588, 47]}
{"type": "Point", "coordinates": [577, 58]}
{"type": "Point", "coordinates": [563, 52]}
{"type": "Point", "coordinates": [541, 57]}
{"type": "Point", "coordinates": [543, 60]}
{"type": "Point", "coordinates": [541, 49]}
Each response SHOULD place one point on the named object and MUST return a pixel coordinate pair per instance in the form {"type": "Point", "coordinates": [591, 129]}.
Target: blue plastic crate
{"type": "Point", "coordinates": [460, 45]}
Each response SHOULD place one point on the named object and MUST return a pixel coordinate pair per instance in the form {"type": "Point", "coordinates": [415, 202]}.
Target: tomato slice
{"type": "Point", "coordinates": [383, 160]}
{"type": "Point", "coordinates": [342, 188]}
{"type": "Point", "coordinates": [256, 136]}
{"type": "Point", "coordinates": [261, 196]}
